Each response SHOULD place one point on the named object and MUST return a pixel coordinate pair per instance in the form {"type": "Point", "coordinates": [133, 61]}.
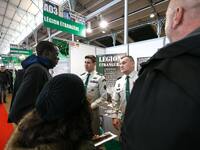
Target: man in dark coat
{"type": "Point", "coordinates": [4, 80]}
{"type": "Point", "coordinates": [35, 76]}
{"type": "Point", "coordinates": [163, 110]}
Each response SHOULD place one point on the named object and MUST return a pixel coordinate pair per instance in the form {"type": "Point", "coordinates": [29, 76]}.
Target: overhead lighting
{"type": "Point", "coordinates": [103, 31]}
{"type": "Point", "coordinates": [89, 29]}
{"type": "Point", "coordinates": [152, 15]}
{"type": "Point", "coordinates": [103, 23]}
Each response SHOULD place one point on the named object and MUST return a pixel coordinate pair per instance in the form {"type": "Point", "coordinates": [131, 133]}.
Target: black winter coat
{"type": "Point", "coordinates": [4, 79]}
{"type": "Point", "coordinates": [35, 76]}
{"type": "Point", "coordinates": [163, 112]}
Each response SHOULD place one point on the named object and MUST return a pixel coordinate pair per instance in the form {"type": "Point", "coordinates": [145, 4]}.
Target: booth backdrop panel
{"type": "Point", "coordinates": [77, 56]}
{"type": "Point", "coordinates": [145, 48]}
{"type": "Point", "coordinates": [117, 49]}
{"type": "Point", "coordinates": [100, 51]}
{"type": "Point", "coordinates": [62, 67]}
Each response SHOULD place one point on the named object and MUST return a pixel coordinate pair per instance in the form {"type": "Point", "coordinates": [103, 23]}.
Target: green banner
{"type": "Point", "coordinates": [63, 48]}
{"type": "Point", "coordinates": [6, 59]}
{"type": "Point", "coordinates": [108, 65]}
{"type": "Point", "coordinates": [56, 22]}
{"type": "Point", "coordinates": [20, 51]}
{"type": "Point", "coordinates": [9, 59]}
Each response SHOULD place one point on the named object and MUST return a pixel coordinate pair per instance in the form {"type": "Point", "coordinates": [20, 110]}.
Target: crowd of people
{"type": "Point", "coordinates": [155, 109]}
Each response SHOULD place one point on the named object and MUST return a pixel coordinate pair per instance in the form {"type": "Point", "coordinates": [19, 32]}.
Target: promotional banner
{"type": "Point", "coordinates": [9, 59]}
{"type": "Point", "coordinates": [63, 65]}
{"type": "Point", "coordinates": [17, 54]}
{"type": "Point", "coordinates": [6, 59]}
{"type": "Point", "coordinates": [63, 47]}
{"type": "Point", "coordinates": [108, 65]}
{"type": "Point", "coordinates": [20, 50]}
{"type": "Point", "coordinates": [52, 20]}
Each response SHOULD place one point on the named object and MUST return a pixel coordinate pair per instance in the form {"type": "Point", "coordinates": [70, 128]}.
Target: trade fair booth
{"type": "Point", "coordinates": [70, 30]}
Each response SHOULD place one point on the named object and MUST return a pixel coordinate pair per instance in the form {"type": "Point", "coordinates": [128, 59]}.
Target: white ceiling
{"type": "Point", "coordinates": [18, 18]}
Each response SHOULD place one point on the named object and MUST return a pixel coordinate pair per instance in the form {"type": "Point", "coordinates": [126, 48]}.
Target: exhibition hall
{"type": "Point", "coordinates": [99, 74]}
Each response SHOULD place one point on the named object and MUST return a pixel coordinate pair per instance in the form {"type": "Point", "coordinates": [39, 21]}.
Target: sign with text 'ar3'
{"type": "Point", "coordinates": [52, 20]}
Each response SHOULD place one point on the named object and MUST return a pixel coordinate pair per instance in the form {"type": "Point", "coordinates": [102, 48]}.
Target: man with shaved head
{"type": "Point", "coordinates": [163, 112]}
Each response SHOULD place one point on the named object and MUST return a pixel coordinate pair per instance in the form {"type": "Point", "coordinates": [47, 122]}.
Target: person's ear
{"type": "Point", "coordinates": [178, 17]}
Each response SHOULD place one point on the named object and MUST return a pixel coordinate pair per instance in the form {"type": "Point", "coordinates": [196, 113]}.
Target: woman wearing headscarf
{"type": "Point", "coordinates": [60, 121]}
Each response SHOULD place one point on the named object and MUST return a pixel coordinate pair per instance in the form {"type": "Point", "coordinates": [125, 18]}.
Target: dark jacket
{"type": "Point", "coordinates": [35, 76]}
{"type": "Point", "coordinates": [32, 134]}
{"type": "Point", "coordinates": [4, 79]}
{"type": "Point", "coordinates": [18, 80]}
{"type": "Point", "coordinates": [163, 112]}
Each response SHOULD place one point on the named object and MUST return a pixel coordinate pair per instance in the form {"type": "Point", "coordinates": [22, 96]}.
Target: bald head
{"type": "Point", "coordinates": [182, 18]}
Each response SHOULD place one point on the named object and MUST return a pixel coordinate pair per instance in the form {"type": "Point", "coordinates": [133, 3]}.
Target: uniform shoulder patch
{"type": "Point", "coordinates": [83, 73]}
{"type": "Point", "coordinates": [119, 78]}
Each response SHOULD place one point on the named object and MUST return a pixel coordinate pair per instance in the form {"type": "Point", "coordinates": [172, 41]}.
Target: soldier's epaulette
{"type": "Point", "coordinates": [119, 78]}
{"type": "Point", "coordinates": [104, 80]}
{"type": "Point", "coordinates": [83, 73]}
{"type": "Point", "coordinates": [100, 74]}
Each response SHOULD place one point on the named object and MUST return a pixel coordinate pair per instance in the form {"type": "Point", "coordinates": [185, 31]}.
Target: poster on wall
{"type": "Point", "coordinates": [141, 60]}
{"type": "Point", "coordinates": [108, 65]}
{"type": "Point", "coordinates": [63, 65]}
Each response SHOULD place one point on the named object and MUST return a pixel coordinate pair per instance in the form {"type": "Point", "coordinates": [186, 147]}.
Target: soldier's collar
{"type": "Point", "coordinates": [132, 74]}
{"type": "Point", "coordinates": [91, 73]}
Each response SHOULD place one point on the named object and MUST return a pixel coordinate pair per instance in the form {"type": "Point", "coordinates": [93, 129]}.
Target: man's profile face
{"type": "Point", "coordinates": [89, 65]}
{"type": "Point", "coordinates": [53, 56]}
{"type": "Point", "coordinates": [126, 65]}
{"type": "Point", "coordinates": [2, 69]}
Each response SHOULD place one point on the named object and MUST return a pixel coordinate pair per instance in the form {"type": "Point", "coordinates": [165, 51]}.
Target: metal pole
{"type": "Point", "coordinates": [35, 37]}
{"type": "Point", "coordinates": [71, 7]}
{"type": "Point", "coordinates": [113, 34]}
{"type": "Point", "coordinates": [126, 24]}
{"type": "Point", "coordinates": [49, 34]}
{"type": "Point", "coordinates": [159, 28]}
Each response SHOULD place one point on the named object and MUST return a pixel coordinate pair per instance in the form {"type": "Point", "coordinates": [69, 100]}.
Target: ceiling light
{"type": "Point", "coordinates": [103, 24]}
{"type": "Point", "coordinates": [89, 30]}
{"type": "Point", "coordinates": [103, 31]}
{"type": "Point", "coordinates": [152, 15]}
